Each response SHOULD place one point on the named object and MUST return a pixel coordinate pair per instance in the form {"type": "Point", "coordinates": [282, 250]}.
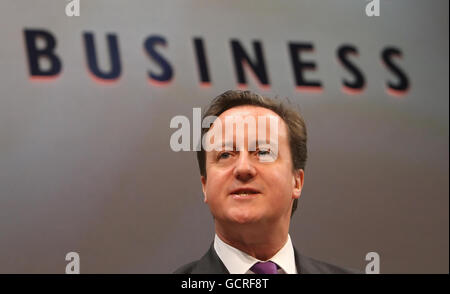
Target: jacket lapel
{"type": "Point", "coordinates": [210, 263]}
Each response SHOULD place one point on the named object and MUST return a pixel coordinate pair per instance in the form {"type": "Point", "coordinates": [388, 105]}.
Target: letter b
{"type": "Point", "coordinates": [34, 53]}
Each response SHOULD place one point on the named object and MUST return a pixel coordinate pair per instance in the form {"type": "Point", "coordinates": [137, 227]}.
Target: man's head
{"type": "Point", "coordinates": [275, 186]}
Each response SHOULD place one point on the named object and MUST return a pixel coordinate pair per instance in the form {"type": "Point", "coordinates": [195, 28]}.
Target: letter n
{"type": "Point", "coordinates": [258, 66]}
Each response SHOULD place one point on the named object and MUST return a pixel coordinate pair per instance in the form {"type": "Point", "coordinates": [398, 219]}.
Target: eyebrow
{"type": "Point", "coordinates": [231, 145]}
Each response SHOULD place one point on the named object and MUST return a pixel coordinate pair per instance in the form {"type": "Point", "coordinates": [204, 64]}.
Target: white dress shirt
{"type": "Point", "coordinates": [238, 262]}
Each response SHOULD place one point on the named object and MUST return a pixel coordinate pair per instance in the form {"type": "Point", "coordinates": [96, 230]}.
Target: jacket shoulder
{"type": "Point", "coordinates": [187, 268]}
{"type": "Point", "coordinates": [210, 263]}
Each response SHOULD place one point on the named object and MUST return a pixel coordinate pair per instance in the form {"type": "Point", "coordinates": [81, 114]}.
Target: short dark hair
{"type": "Point", "coordinates": [293, 119]}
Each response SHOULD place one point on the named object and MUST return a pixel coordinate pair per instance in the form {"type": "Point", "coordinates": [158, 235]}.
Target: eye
{"type": "Point", "coordinates": [266, 155]}
{"type": "Point", "coordinates": [224, 155]}
{"type": "Point", "coordinates": [263, 152]}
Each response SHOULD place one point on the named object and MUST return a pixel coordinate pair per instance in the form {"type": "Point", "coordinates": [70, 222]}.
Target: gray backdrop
{"type": "Point", "coordinates": [87, 167]}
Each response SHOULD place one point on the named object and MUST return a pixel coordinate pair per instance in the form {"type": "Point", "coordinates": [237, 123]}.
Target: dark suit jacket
{"type": "Point", "coordinates": [210, 263]}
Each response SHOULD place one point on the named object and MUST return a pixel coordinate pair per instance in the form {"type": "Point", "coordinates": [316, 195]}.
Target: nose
{"type": "Point", "coordinates": [244, 169]}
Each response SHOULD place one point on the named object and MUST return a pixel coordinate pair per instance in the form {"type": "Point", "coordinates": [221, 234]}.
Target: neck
{"type": "Point", "coordinates": [261, 242]}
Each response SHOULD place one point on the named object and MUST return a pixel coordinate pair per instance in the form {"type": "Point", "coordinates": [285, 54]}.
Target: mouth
{"type": "Point", "coordinates": [245, 193]}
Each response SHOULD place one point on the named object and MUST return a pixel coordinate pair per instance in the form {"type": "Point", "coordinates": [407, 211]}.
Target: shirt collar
{"type": "Point", "coordinates": [239, 262]}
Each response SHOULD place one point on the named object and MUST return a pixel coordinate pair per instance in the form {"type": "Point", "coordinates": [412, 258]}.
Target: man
{"type": "Point", "coordinates": [252, 176]}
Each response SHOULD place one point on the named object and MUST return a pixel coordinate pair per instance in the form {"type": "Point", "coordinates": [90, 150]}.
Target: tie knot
{"type": "Point", "coordinates": [268, 267]}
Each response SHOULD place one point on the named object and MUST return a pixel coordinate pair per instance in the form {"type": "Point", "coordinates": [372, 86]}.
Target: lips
{"type": "Point", "coordinates": [245, 193]}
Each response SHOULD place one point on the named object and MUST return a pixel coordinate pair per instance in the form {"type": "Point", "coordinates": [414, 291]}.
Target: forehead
{"type": "Point", "coordinates": [256, 112]}
{"type": "Point", "coordinates": [243, 112]}
{"type": "Point", "coordinates": [248, 110]}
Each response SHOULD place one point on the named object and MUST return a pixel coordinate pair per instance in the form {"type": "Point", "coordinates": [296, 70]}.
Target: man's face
{"type": "Point", "coordinates": [242, 186]}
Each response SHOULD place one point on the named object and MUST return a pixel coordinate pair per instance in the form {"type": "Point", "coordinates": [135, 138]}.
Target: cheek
{"type": "Point", "coordinates": [214, 185]}
{"type": "Point", "coordinates": [282, 186]}
{"type": "Point", "coordinates": [218, 174]}
{"type": "Point", "coordinates": [210, 191]}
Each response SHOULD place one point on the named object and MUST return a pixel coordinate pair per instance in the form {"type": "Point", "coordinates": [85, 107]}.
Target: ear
{"type": "Point", "coordinates": [298, 180]}
{"type": "Point", "coordinates": [203, 179]}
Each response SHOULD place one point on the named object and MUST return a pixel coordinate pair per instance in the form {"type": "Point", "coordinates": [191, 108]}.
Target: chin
{"type": "Point", "coordinates": [244, 218]}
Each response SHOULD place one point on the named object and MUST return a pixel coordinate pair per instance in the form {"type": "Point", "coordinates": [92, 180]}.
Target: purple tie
{"type": "Point", "coordinates": [264, 268]}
